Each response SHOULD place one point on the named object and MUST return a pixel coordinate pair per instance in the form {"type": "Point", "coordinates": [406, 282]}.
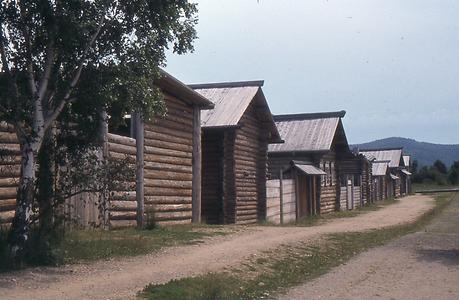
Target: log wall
{"type": "Point", "coordinates": [329, 190]}
{"type": "Point", "coordinates": [122, 203]}
{"type": "Point", "coordinates": [273, 201]}
{"type": "Point", "coordinates": [10, 160]}
{"type": "Point", "coordinates": [250, 156]}
{"type": "Point", "coordinates": [168, 164]}
{"type": "Point", "coordinates": [276, 162]}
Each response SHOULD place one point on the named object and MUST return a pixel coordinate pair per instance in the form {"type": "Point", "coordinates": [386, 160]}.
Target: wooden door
{"type": "Point", "coordinates": [350, 194]}
{"type": "Point", "coordinates": [303, 192]}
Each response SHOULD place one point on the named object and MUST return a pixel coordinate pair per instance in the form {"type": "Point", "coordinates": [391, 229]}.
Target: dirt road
{"type": "Point", "coordinates": [424, 265]}
{"type": "Point", "coordinates": [123, 278]}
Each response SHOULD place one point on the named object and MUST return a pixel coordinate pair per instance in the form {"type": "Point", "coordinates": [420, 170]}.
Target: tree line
{"type": "Point", "coordinates": [437, 173]}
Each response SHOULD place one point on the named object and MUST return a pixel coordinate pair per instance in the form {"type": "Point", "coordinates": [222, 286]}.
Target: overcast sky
{"type": "Point", "coordinates": [393, 65]}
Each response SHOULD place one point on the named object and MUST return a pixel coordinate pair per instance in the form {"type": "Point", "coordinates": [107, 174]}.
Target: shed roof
{"type": "Point", "coordinates": [308, 132]}
{"type": "Point", "coordinates": [394, 155]}
{"type": "Point", "coordinates": [231, 100]}
{"type": "Point", "coordinates": [175, 87]}
{"type": "Point", "coordinates": [379, 168]}
{"type": "Point", "coordinates": [307, 168]}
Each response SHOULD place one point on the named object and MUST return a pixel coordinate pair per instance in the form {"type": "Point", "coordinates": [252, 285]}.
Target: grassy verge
{"type": "Point", "coordinates": [431, 186]}
{"type": "Point", "coordinates": [273, 271]}
{"type": "Point", "coordinates": [89, 245]}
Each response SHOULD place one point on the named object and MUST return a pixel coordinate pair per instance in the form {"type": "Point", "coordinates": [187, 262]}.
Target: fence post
{"type": "Point", "coordinates": [281, 190]}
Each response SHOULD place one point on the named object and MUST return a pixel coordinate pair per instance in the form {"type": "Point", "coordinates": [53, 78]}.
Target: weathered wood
{"type": "Point", "coordinates": [140, 189]}
{"type": "Point", "coordinates": [197, 164]}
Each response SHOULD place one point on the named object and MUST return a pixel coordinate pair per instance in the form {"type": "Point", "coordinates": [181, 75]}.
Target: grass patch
{"type": "Point", "coordinates": [274, 271]}
{"type": "Point", "coordinates": [90, 245]}
{"type": "Point", "coordinates": [431, 186]}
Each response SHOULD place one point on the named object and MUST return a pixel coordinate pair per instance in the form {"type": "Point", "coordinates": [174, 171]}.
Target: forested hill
{"type": "Point", "coordinates": [424, 153]}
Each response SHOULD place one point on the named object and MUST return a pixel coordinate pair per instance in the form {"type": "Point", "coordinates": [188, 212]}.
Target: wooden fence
{"type": "Point", "coordinates": [273, 193]}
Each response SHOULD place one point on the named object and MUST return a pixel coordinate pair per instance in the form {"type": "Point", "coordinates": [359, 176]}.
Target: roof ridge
{"type": "Point", "coordinates": [310, 116]}
{"type": "Point", "coordinates": [229, 84]}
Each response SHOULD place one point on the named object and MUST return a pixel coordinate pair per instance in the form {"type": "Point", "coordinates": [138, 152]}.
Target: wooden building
{"type": "Point", "coordinates": [236, 134]}
{"type": "Point", "coordinates": [396, 164]}
{"type": "Point", "coordinates": [355, 171]}
{"type": "Point", "coordinates": [381, 180]}
{"type": "Point", "coordinates": [316, 141]}
{"type": "Point", "coordinates": [166, 152]}
{"type": "Point", "coordinates": [407, 174]}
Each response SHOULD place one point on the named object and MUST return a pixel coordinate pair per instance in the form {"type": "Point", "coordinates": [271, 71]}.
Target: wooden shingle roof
{"type": "Point", "coordinates": [308, 132]}
{"type": "Point", "coordinates": [394, 155]}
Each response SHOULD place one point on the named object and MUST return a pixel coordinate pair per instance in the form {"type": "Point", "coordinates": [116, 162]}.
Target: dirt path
{"type": "Point", "coordinates": [424, 265]}
{"type": "Point", "coordinates": [124, 277]}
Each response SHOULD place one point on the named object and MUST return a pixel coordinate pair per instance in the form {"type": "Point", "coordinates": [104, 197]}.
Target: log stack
{"type": "Point", "coordinates": [10, 160]}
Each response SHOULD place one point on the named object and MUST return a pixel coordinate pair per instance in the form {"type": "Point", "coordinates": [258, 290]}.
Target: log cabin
{"type": "Point", "coordinates": [236, 135]}
{"type": "Point", "coordinates": [166, 152]}
{"type": "Point", "coordinates": [168, 177]}
{"type": "Point", "coordinates": [396, 165]}
{"type": "Point", "coordinates": [381, 180]}
{"type": "Point", "coordinates": [316, 140]}
{"type": "Point", "coordinates": [407, 173]}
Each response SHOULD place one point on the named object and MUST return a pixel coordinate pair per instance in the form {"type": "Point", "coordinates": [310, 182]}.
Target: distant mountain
{"type": "Point", "coordinates": [424, 153]}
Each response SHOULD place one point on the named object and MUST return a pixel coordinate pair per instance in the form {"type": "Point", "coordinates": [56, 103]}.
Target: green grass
{"type": "Point", "coordinates": [431, 186]}
{"type": "Point", "coordinates": [275, 271]}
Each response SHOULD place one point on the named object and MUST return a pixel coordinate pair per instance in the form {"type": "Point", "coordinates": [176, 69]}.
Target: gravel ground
{"type": "Point", "coordinates": [423, 265]}
{"type": "Point", "coordinates": [124, 277]}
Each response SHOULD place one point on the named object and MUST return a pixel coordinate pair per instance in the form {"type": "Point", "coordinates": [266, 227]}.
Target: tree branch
{"type": "Point", "coordinates": [4, 59]}
{"type": "Point", "coordinates": [66, 99]}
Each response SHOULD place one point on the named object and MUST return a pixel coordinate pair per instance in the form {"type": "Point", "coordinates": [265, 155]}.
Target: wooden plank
{"type": "Point", "coordinates": [197, 165]}
{"type": "Point", "coordinates": [140, 189]}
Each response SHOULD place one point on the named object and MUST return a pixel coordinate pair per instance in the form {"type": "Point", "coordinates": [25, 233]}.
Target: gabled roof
{"type": "Point", "coordinates": [308, 132]}
{"type": "Point", "coordinates": [379, 168]}
{"type": "Point", "coordinates": [394, 155]}
{"type": "Point", "coordinates": [231, 100]}
{"type": "Point", "coordinates": [175, 87]}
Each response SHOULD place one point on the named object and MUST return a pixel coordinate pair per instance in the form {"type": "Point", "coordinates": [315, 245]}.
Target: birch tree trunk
{"type": "Point", "coordinates": [20, 231]}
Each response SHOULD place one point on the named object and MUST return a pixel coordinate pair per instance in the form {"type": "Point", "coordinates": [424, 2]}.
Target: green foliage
{"type": "Point", "coordinates": [440, 166]}
{"type": "Point", "coordinates": [453, 176]}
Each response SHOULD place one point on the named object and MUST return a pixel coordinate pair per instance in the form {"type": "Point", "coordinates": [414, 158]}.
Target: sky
{"type": "Point", "coordinates": [393, 65]}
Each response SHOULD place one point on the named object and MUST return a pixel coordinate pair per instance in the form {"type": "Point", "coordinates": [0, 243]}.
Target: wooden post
{"type": "Point", "coordinates": [297, 194]}
{"type": "Point", "coordinates": [281, 196]}
{"type": "Point", "coordinates": [197, 166]}
{"type": "Point", "coordinates": [139, 180]}
{"type": "Point", "coordinates": [103, 139]}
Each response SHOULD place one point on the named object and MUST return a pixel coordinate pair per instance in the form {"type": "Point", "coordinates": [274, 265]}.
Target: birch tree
{"type": "Point", "coordinates": [55, 54]}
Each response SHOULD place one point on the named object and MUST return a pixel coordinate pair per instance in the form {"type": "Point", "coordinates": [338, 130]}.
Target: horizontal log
{"type": "Point", "coordinates": [7, 204]}
{"type": "Point", "coordinates": [170, 216]}
{"type": "Point", "coordinates": [13, 149]}
{"type": "Point", "coordinates": [168, 207]}
{"type": "Point", "coordinates": [122, 140]}
{"type": "Point", "coordinates": [123, 205]}
{"type": "Point", "coordinates": [175, 184]}
{"type": "Point", "coordinates": [9, 182]}
{"type": "Point", "coordinates": [10, 160]}
{"type": "Point", "coordinates": [8, 138]}
{"type": "Point", "coordinates": [112, 147]}
{"type": "Point", "coordinates": [5, 127]}
{"type": "Point", "coordinates": [8, 193]}
{"type": "Point", "coordinates": [123, 215]}
{"type": "Point", "coordinates": [130, 158]}
{"type": "Point", "coordinates": [169, 152]}
{"type": "Point", "coordinates": [169, 145]}
{"type": "Point", "coordinates": [168, 137]}
{"type": "Point", "coordinates": [162, 199]}
{"type": "Point", "coordinates": [166, 175]}
{"type": "Point", "coordinates": [6, 216]}
{"type": "Point", "coordinates": [156, 191]}
{"type": "Point", "coordinates": [123, 196]}
{"type": "Point", "coordinates": [166, 124]}
{"type": "Point", "coordinates": [118, 224]}
{"type": "Point", "coordinates": [168, 159]}
{"type": "Point", "coordinates": [168, 167]}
